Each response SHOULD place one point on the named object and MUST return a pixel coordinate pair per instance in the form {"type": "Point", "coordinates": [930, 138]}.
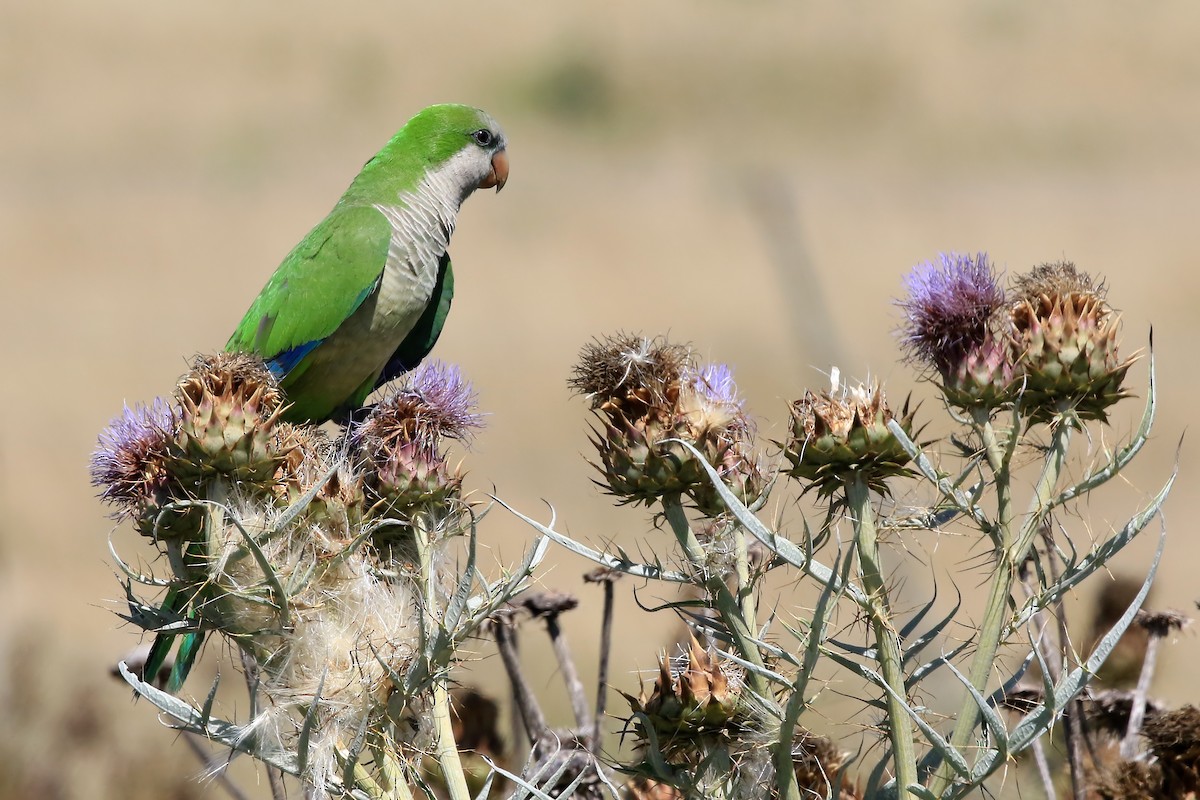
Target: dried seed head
{"type": "Point", "coordinates": [629, 368]}
{"type": "Point", "coordinates": [644, 788]}
{"type": "Point", "coordinates": [818, 762]}
{"type": "Point", "coordinates": [1066, 340]}
{"type": "Point", "coordinates": [230, 404]}
{"type": "Point", "coordinates": [1130, 780]}
{"type": "Point", "coordinates": [646, 393]}
{"type": "Point", "coordinates": [1161, 623]}
{"type": "Point", "coordinates": [1108, 711]}
{"type": "Point", "coordinates": [841, 434]}
{"type": "Point", "coordinates": [1174, 738]}
{"type": "Point", "coordinates": [547, 603]}
{"type": "Point", "coordinates": [338, 506]}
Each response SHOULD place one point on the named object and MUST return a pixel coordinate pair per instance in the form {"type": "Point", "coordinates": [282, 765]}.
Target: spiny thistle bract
{"type": "Point", "coordinates": [1066, 339]}
{"type": "Point", "coordinates": [647, 393]}
{"type": "Point", "coordinates": [841, 434]}
{"type": "Point", "coordinates": [692, 701]}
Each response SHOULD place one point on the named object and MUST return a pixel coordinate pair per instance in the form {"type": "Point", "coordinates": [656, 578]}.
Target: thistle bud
{"type": "Point", "coordinates": [955, 323]}
{"type": "Point", "coordinates": [230, 403]}
{"type": "Point", "coordinates": [648, 393]}
{"type": "Point", "coordinates": [1066, 337]}
{"type": "Point", "coordinates": [400, 443]}
{"type": "Point", "coordinates": [841, 434]}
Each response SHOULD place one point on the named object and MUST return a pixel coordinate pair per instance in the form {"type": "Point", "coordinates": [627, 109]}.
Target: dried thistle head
{"type": "Point", "coordinates": [647, 393]}
{"type": "Point", "coordinates": [1130, 780]}
{"type": "Point", "coordinates": [818, 763]}
{"type": "Point", "coordinates": [1161, 623]}
{"type": "Point", "coordinates": [230, 404]}
{"type": "Point", "coordinates": [692, 700]}
{"type": "Point", "coordinates": [641, 787]}
{"type": "Point", "coordinates": [1066, 339]}
{"type": "Point", "coordinates": [630, 369]}
{"type": "Point", "coordinates": [337, 507]}
{"type": "Point", "coordinates": [841, 434]}
{"type": "Point", "coordinates": [1174, 739]}
{"type": "Point", "coordinates": [1108, 711]}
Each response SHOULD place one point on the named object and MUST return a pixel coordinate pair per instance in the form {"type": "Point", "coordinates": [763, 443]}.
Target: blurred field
{"type": "Point", "coordinates": [158, 159]}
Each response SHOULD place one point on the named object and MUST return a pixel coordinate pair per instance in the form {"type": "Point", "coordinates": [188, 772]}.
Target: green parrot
{"type": "Point", "coordinates": [363, 297]}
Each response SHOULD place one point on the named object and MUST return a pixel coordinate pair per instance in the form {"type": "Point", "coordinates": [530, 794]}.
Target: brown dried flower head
{"type": "Point", "coordinates": [647, 393]}
{"type": "Point", "coordinates": [697, 700]}
{"type": "Point", "coordinates": [840, 434]}
{"type": "Point", "coordinates": [230, 404]}
{"type": "Point", "coordinates": [1066, 339]}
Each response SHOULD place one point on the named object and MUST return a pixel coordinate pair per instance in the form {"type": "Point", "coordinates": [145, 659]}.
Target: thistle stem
{"type": "Point", "coordinates": [445, 745]}
{"type": "Point", "coordinates": [1137, 710]}
{"type": "Point", "coordinates": [741, 627]}
{"type": "Point", "coordinates": [1011, 552]}
{"type": "Point", "coordinates": [742, 630]}
{"type": "Point", "coordinates": [998, 461]}
{"type": "Point", "coordinates": [887, 641]}
{"type": "Point", "coordinates": [602, 677]}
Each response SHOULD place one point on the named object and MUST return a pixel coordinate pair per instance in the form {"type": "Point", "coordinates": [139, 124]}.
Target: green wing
{"type": "Point", "coordinates": [316, 288]}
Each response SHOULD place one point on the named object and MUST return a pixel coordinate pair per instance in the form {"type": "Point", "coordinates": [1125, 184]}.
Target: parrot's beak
{"type": "Point", "coordinates": [499, 174]}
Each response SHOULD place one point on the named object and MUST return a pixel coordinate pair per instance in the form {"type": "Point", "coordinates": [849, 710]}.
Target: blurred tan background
{"type": "Point", "coordinates": [754, 178]}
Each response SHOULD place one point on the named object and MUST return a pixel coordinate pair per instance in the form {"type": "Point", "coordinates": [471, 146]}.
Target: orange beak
{"type": "Point", "coordinates": [499, 174]}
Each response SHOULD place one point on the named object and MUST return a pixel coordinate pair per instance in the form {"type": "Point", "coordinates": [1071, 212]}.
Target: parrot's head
{"type": "Point", "coordinates": [461, 144]}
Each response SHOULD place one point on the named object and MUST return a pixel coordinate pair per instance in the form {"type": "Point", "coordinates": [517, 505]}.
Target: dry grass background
{"type": "Point", "coordinates": [158, 159]}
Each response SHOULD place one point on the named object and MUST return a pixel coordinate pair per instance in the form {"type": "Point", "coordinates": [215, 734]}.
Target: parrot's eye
{"type": "Point", "coordinates": [482, 137]}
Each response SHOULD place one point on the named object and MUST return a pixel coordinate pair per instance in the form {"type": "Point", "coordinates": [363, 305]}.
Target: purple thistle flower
{"type": "Point", "coordinates": [127, 463]}
{"type": "Point", "coordinates": [450, 400]}
{"type": "Point", "coordinates": [431, 402]}
{"type": "Point", "coordinates": [948, 308]}
{"type": "Point", "coordinates": [714, 382]}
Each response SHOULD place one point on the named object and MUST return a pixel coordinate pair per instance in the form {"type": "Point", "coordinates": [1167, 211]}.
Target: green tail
{"type": "Point", "coordinates": [175, 603]}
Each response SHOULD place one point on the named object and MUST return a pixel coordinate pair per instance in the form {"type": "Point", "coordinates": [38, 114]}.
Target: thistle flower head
{"type": "Point", "coordinates": [647, 393]}
{"type": "Point", "coordinates": [692, 699]}
{"type": "Point", "coordinates": [430, 403]}
{"type": "Point", "coordinates": [948, 308]}
{"type": "Point", "coordinates": [128, 464]}
{"type": "Point", "coordinates": [841, 434]}
{"type": "Point", "coordinates": [230, 404]}
{"type": "Point", "coordinates": [1066, 341]}
{"type": "Point", "coordinates": [401, 440]}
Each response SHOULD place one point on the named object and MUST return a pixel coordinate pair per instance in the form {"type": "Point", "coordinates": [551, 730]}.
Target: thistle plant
{"type": "Point", "coordinates": [1020, 370]}
{"type": "Point", "coordinates": [327, 563]}
{"type": "Point", "coordinates": [341, 566]}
